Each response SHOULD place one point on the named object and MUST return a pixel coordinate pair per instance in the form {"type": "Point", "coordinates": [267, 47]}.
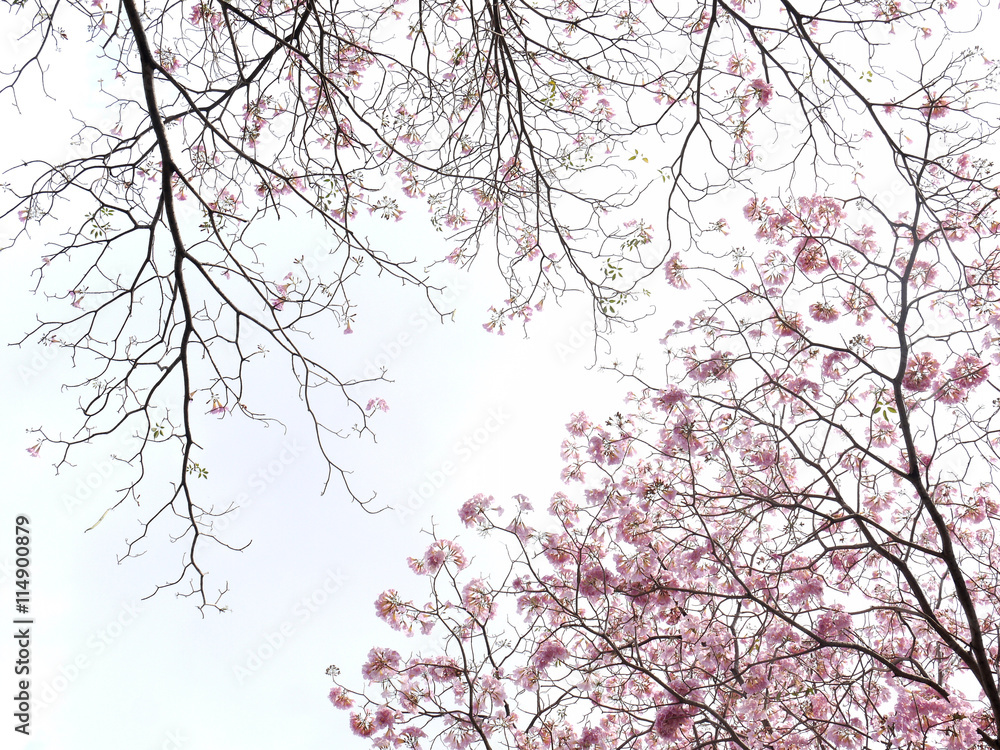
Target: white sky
{"type": "Point", "coordinates": [111, 671]}
{"type": "Point", "coordinates": [114, 672]}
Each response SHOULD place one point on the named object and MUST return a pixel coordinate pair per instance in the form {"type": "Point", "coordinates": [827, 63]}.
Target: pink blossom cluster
{"type": "Point", "coordinates": [202, 14]}
{"type": "Point", "coordinates": [440, 553]}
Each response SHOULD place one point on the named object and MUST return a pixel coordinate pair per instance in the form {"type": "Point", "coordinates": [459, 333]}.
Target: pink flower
{"type": "Point", "coordinates": [33, 450]}
{"type": "Point", "coordinates": [348, 330]}
{"type": "Point", "coordinates": [936, 106]}
{"type": "Point", "coordinates": [787, 324]}
{"type": "Point", "coordinates": [753, 210]}
{"type": "Point", "coordinates": [549, 652]}
{"type": "Point", "coordinates": [168, 61]}
{"type": "Point", "coordinates": [475, 509]}
{"type": "Point", "coordinates": [485, 200]}
{"type": "Point", "coordinates": [442, 552]}
{"type": "Point", "coordinates": [377, 404]}
{"type": "Point", "coordinates": [823, 312]}
{"type": "Point", "coordinates": [675, 272]}
{"type": "Point", "coordinates": [382, 665]}
{"type": "Point", "coordinates": [578, 424]}
{"type": "Point", "coordinates": [340, 698]}
{"type": "Point", "coordinates": [592, 738]}
{"type": "Point", "coordinates": [477, 598]}
{"type": "Point", "coordinates": [603, 109]}
{"type": "Point", "coordinates": [410, 735]}
{"type": "Point", "coordinates": [882, 434]}
{"type": "Point", "coordinates": [670, 720]}
{"type": "Point", "coordinates": [217, 408]}
{"type": "Point", "coordinates": [762, 90]}
{"type": "Point", "coordinates": [391, 608]}
{"type": "Point", "coordinates": [384, 717]}
{"type": "Point", "coordinates": [920, 372]}
{"type": "Point", "coordinates": [666, 399]}
{"type": "Point", "coordinates": [811, 257]}
{"type": "Point", "coordinates": [833, 367]}
{"type": "Point", "coordinates": [949, 392]}
{"type": "Point", "coordinates": [718, 367]}
{"type": "Point", "coordinates": [833, 625]}
{"type": "Point", "coordinates": [740, 65]}
{"type": "Point", "coordinates": [969, 372]}
{"type": "Point", "coordinates": [362, 725]}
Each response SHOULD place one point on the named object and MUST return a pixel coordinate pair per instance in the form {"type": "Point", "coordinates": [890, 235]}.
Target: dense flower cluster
{"type": "Point", "coordinates": [776, 549]}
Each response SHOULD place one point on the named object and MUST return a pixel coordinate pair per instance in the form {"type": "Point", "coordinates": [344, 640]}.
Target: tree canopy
{"type": "Point", "coordinates": [786, 541]}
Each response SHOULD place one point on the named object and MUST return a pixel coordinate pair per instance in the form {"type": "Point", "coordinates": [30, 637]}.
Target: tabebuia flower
{"type": "Point", "coordinates": [811, 257]}
{"type": "Point", "coordinates": [935, 106]}
{"type": "Point", "coordinates": [920, 372]}
{"type": "Point", "coordinates": [438, 554]}
{"type": "Point", "coordinates": [788, 323]}
{"type": "Point", "coordinates": [391, 608]}
{"type": "Point", "coordinates": [675, 272]}
{"type": "Point", "coordinates": [362, 724]}
{"type": "Point", "coordinates": [949, 392]}
{"type": "Point", "coordinates": [833, 365]}
{"type": "Point", "coordinates": [474, 509]}
{"type": "Point", "coordinates": [340, 698]}
{"type": "Point", "coordinates": [823, 312]}
{"type": "Point", "coordinates": [550, 651]}
{"type": "Point", "coordinates": [719, 366]}
{"type": "Point", "coordinates": [384, 717]}
{"type": "Point", "coordinates": [669, 397]}
{"type": "Point", "coordinates": [377, 404]}
{"type": "Point", "coordinates": [969, 372]}
{"type": "Point", "coordinates": [477, 598]}
{"type": "Point", "coordinates": [762, 90]}
{"type": "Point", "coordinates": [670, 720]}
{"type": "Point", "coordinates": [382, 665]}
{"type": "Point", "coordinates": [578, 425]}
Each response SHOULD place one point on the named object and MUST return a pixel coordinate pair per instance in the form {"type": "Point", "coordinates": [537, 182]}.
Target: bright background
{"type": "Point", "coordinates": [112, 671]}
{"type": "Point", "coordinates": [109, 670]}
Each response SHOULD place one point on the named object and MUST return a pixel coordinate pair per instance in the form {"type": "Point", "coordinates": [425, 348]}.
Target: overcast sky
{"type": "Point", "coordinates": [469, 412]}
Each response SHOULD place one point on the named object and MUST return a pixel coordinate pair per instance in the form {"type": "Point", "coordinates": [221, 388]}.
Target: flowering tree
{"type": "Point", "coordinates": [584, 147]}
{"type": "Point", "coordinates": [790, 541]}
{"type": "Point", "coordinates": [794, 545]}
